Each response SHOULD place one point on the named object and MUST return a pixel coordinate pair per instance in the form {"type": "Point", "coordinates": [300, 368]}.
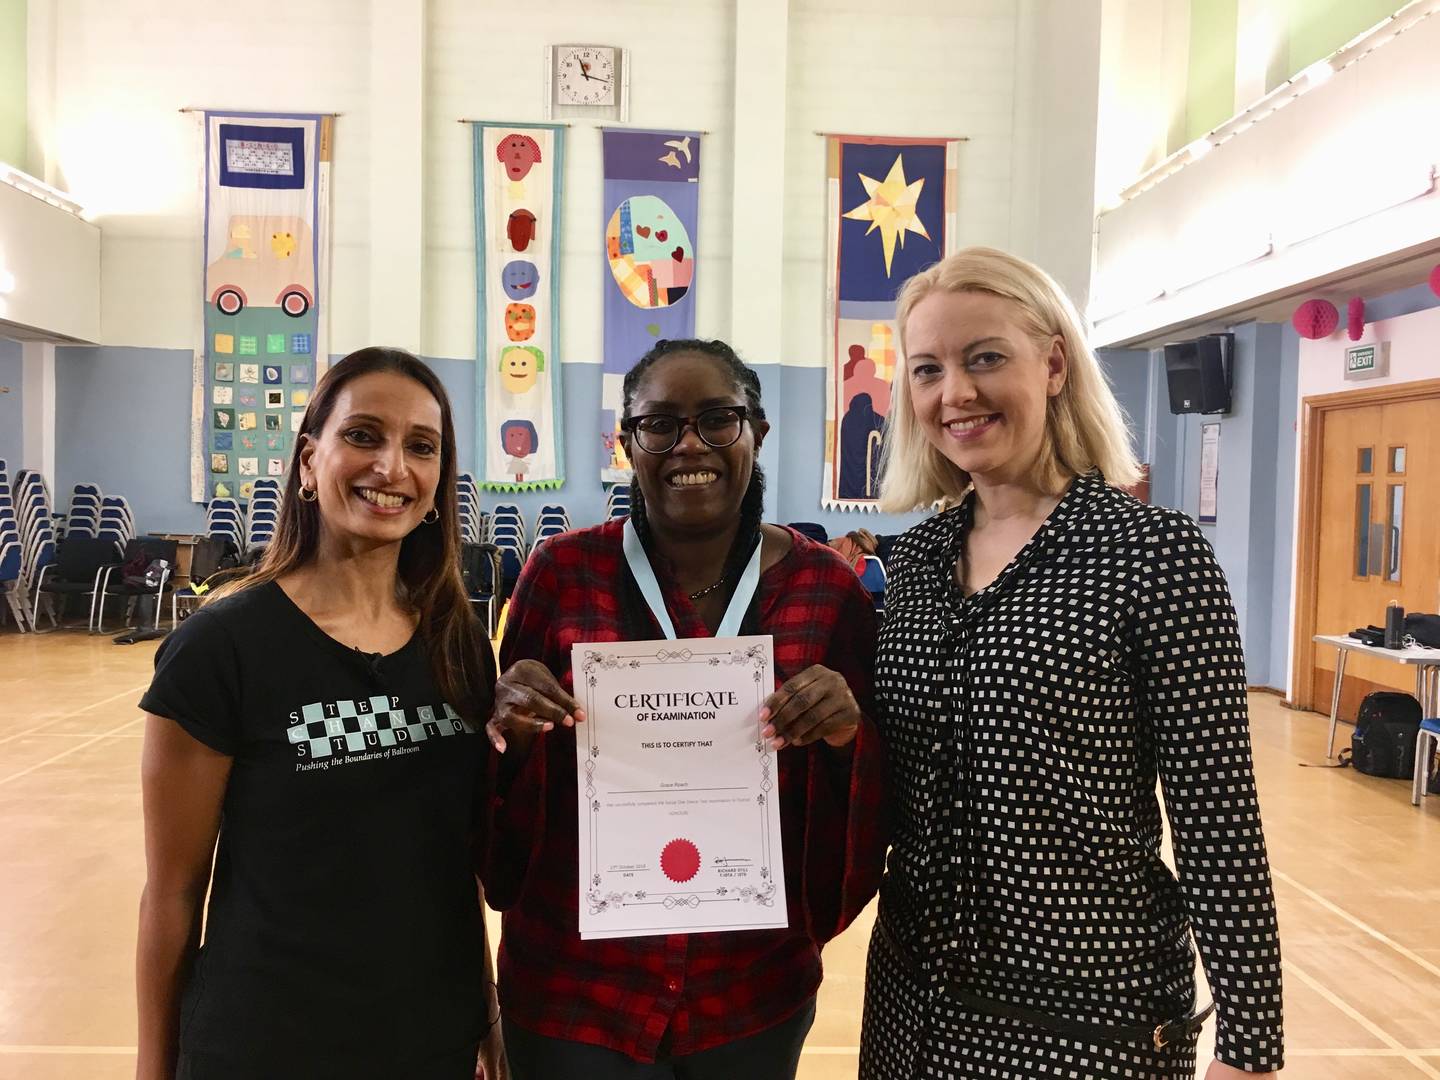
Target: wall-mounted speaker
{"type": "Point", "coordinates": [1200, 373]}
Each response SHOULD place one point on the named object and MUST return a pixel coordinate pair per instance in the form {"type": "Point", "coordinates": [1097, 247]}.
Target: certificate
{"type": "Point", "coordinates": [679, 814]}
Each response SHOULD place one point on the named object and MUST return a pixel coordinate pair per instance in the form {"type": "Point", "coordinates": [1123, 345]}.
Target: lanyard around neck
{"type": "Point", "coordinates": [650, 587]}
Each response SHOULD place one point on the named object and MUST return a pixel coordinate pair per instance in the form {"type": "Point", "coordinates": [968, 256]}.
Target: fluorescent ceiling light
{"type": "Point", "coordinates": [1198, 149]}
{"type": "Point", "coordinates": [1317, 73]}
{"type": "Point", "coordinates": [23, 181]}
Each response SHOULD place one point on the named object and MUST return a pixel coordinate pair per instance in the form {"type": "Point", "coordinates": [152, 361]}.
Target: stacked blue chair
{"type": "Point", "coordinates": [224, 521]}
{"type": "Point", "coordinates": [507, 515]}
{"type": "Point", "coordinates": [117, 523]}
{"type": "Point", "coordinates": [83, 518]}
{"type": "Point", "coordinates": [37, 526]}
{"type": "Point", "coordinates": [225, 525]}
{"type": "Point", "coordinates": [263, 514]}
{"type": "Point", "coordinates": [553, 521]}
{"type": "Point", "coordinates": [507, 532]}
{"type": "Point", "coordinates": [12, 585]}
{"type": "Point", "coordinates": [467, 503]}
{"type": "Point", "coordinates": [617, 502]}
{"type": "Point", "coordinates": [10, 580]}
{"type": "Point", "coordinates": [117, 526]}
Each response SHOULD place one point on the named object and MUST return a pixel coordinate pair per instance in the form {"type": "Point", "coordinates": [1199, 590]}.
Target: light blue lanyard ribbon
{"type": "Point", "coordinates": [650, 587]}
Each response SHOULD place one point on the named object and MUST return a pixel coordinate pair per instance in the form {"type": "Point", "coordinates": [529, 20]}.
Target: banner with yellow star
{"type": "Point", "coordinates": [891, 213]}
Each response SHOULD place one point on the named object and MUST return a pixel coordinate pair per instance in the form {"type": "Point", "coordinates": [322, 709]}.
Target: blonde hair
{"type": "Point", "coordinates": [1085, 427]}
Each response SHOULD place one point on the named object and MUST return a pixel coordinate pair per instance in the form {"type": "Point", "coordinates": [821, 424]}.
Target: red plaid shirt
{"type": "Point", "coordinates": [692, 991]}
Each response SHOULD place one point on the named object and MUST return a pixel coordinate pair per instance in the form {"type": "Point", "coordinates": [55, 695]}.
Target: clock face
{"type": "Point", "coordinates": [585, 75]}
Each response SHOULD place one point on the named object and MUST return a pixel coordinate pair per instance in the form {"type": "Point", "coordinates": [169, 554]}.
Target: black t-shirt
{"type": "Point", "coordinates": [343, 926]}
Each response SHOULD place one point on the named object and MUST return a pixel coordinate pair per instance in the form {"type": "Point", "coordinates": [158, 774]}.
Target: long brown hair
{"type": "Point", "coordinates": [429, 568]}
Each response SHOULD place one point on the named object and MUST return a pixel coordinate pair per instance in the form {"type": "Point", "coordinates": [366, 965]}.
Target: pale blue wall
{"type": "Point", "coordinates": [1168, 458]}
{"type": "Point", "coordinates": [1287, 440]}
{"type": "Point", "coordinates": [12, 411]}
{"type": "Point", "coordinates": [122, 421]}
{"type": "Point", "coordinates": [1250, 489]}
{"type": "Point", "coordinates": [1254, 530]}
{"type": "Point", "coordinates": [1129, 373]}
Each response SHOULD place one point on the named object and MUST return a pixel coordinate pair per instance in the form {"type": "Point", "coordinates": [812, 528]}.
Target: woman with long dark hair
{"type": "Point", "coordinates": [705, 1005]}
{"type": "Point", "coordinates": [314, 730]}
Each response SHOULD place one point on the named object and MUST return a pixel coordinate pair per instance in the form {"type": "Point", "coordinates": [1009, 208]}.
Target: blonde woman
{"type": "Point", "coordinates": [1051, 647]}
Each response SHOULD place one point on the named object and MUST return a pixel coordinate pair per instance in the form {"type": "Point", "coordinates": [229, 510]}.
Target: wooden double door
{"type": "Point", "coordinates": [1377, 533]}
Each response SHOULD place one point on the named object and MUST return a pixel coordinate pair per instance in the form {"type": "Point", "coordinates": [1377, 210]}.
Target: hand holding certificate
{"type": "Point", "coordinates": [679, 818]}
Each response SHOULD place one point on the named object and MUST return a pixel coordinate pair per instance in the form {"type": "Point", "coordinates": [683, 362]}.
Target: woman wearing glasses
{"type": "Point", "coordinates": [707, 1005]}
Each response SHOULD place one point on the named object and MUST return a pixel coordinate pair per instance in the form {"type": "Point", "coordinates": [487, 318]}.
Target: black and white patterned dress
{"type": "Point", "coordinates": [1026, 727]}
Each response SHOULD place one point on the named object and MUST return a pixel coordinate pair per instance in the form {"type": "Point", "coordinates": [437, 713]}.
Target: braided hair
{"type": "Point", "coordinates": [752, 506]}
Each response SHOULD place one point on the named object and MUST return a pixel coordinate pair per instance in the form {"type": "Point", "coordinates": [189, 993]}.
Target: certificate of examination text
{"type": "Point", "coordinates": [679, 810]}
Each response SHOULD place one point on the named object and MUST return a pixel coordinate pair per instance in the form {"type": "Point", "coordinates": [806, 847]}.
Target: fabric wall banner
{"type": "Point", "coordinates": [266, 224]}
{"type": "Point", "coordinates": [890, 214]}
{"type": "Point", "coordinates": [520, 435]}
{"type": "Point", "coordinates": [652, 203]}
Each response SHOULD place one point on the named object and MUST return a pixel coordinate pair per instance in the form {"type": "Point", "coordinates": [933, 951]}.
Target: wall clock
{"type": "Point", "coordinates": [587, 80]}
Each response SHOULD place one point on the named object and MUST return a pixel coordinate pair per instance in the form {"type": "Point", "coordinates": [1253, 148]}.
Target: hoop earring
{"type": "Point", "coordinates": [432, 517]}
{"type": "Point", "coordinates": [308, 494]}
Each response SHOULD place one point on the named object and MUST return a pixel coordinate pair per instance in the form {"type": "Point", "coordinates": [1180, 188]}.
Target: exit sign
{"type": "Point", "coordinates": [1367, 361]}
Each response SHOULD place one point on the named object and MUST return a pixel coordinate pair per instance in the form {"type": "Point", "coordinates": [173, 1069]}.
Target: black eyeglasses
{"type": "Point", "coordinates": [658, 433]}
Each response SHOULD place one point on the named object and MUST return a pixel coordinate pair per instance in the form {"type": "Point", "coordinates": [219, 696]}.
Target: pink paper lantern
{"type": "Point", "coordinates": [1355, 318]}
{"type": "Point", "coordinates": [1315, 319]}
{"type": "Point", "coordinates": [1435, 280]}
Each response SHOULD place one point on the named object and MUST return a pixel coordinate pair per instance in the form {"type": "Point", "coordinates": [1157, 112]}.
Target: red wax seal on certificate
{"type": "Point", "coordinates": [680, 860]}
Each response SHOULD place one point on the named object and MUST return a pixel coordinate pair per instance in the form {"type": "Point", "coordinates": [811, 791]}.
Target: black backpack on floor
{"type": "Point", "coordinates": [1385, 734]}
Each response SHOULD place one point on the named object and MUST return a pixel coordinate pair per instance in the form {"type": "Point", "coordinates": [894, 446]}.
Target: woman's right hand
{"type": "Point", "coordinates": [529, 700]}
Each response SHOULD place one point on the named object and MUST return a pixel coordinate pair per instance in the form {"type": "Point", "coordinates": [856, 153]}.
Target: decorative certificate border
{"type": "Point", "coordinates": [600, 899]}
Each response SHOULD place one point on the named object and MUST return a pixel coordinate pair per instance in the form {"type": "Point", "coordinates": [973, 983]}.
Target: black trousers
{"type": "Point", "coordinates": [772, 1054]}
{"type": "Point", "coordinates": [459, 1066]}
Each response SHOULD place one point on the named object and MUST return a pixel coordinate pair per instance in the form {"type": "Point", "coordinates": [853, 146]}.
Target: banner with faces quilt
{"type": "Point", "coordinates": [266, 220]}
{"type": "Point", "coordinates": [651, 207]}
{"type": "Point", "coordinates": [519, 437]}
{"type": "Point", "coordinates": [890, 214]}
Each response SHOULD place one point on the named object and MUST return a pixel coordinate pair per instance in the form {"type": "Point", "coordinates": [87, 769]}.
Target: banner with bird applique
{"type": "Point", "coordinates": [652, 202]}
{"type": "Point", "coordinates": [890, 213]}
{"type": "Point", "coordinates": [519, 435]}
{"type": "Point", "coordinates": [267, 180]}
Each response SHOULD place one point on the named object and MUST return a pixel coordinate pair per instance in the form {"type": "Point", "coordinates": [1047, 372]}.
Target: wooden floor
{"type": "Point", "coordinates": [1357, 874]}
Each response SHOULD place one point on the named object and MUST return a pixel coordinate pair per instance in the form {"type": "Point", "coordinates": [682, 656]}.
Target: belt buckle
{"type": "Point", "coordinates": [1160, 1040]}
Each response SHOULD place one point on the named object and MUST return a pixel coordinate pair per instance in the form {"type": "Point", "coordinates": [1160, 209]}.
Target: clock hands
{"type": "Point", "coordinates": [585, 73]}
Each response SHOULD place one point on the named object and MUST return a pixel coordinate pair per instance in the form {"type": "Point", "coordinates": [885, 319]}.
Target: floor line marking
{"type": "Point", "coordinates": [1355, 1052]}
{"type": "Point", "coordinates": [60, 719]}
{"type": "Point", "coordinates": [1412, 1056]}
{"type": "Point", "coordinates": [91, 741]}
{"type": "Point", "coordinates": [1359, 924]}
{"type": "Point", "coordinates": [93, 1050]}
